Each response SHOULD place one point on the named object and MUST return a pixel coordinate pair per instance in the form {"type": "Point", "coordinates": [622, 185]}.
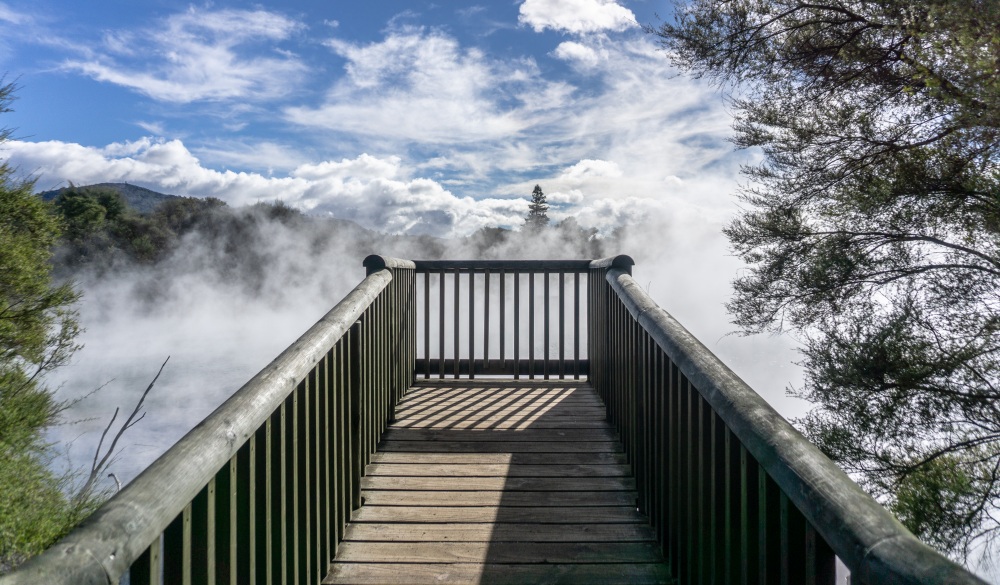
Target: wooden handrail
{"type": "Point", "coordinates": [873, 544]}
{"type": "Point", "coordinates": [129, 529]}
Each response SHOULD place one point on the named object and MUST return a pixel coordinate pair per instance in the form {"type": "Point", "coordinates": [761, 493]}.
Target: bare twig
{"type": "Point", "coordinates": [101, 461]}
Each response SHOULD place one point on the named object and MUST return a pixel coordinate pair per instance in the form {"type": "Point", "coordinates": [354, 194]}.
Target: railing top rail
{"type": "Point", "coordinates": [870, 540]}
{"type": "Point", "coordinates": [505, 265]}
{"type": "Point", "coordinates": [555, 266]}
{"type": "Point", "coordinates": [103, 547]}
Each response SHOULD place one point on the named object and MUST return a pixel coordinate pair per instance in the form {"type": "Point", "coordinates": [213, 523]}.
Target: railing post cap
{"type": "Point", "coordinates": [375, 262]}
{"type": "Point", "coordinates": [622, 261]}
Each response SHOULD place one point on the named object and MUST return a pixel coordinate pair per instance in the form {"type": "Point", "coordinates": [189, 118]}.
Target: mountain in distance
{"type": "Point", "coordinates": [140, 199]}
{"type": "Point", "coordinates": [145, 201]}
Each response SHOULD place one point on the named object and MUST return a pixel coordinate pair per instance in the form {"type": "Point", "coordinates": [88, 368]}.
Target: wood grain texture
{"type": "Point", "coordinates": [487, 483]}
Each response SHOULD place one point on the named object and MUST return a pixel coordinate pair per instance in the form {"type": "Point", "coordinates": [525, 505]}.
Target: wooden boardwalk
{"type": "Point", "coordinates": [499, 482]}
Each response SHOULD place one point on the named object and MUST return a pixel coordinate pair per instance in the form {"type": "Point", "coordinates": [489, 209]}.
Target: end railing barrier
{"type": "Point", "coordinates": [261, 491]}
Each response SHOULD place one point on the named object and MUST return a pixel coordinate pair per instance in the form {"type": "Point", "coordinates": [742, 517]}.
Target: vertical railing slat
{"type": "Point", "coordinates": [546, 354]}
{"type": "Point", "coordinates": [441, 356]}
{"type": "Point", "coordinates": [576, 325]}
{"type": "Point", "coordinates": [531, 325]}
{"type": "Point", "coordinates": [457, 349]}
{"type": "Point", "coordinates": [472, 324]}
{"type": "Point", "coordinates": [517, 325]}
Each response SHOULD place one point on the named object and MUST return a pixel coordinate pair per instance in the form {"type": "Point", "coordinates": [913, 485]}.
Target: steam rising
{"type": "Point", "coordinates": [222, 305]}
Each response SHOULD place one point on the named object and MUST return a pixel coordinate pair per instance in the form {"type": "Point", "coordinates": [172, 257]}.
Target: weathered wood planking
{"type": "Point", "coordinates": [491, 483]}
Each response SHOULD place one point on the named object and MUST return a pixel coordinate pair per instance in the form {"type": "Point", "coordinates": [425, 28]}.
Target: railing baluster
{"type": "Point", "coordinates": [441, 356]}
{"type": "Point", "coordinates": [517, 325]}
{"type": "Point", "coordinates": [457, 323]}
{"type": "Point", "coordinates": [562, 325]}
{"type": "Point", "coordinates": [472, 324]}
{"type": "Point", "coordinates": [324, 458]}
{"type": "Point", "coordinates": [427, 325]}
{"type": "Point", "coordinates": [354, 407]}
{"type": "Point", "coordinates": [531, 325]}
{"type": "Point", "coordinates": [576, 325]}
{"type": "Point", "coordinates": [503, 321]}
{"type": "Point", "coordinates": [545, 325]}
{"type": "Point", "coordinates": [202, 531]}
{"type": "Point", "coordinates": [486, 320]}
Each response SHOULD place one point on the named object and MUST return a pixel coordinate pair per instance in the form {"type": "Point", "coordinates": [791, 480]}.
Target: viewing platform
{"type": "Point", "coordinates": [491, 481]}
{"type": "Point", "coordinates": [493, 421]}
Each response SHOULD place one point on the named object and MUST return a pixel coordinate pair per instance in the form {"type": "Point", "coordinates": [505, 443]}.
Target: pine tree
{"type": "Point", "coordinates": [537, 217]}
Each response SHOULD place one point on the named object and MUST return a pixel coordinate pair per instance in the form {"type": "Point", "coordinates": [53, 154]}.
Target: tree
{"type": "Point", "coordinates": [537, 217]}
{"type": "Point", "coordinates": [37, 331]}
{"type": "Point", "coordinates": [872, 230]}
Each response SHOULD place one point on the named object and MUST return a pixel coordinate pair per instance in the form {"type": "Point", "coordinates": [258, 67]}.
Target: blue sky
{"type": "Point", "coordinates": [416, 117]}
{"type": "Point", "coordinates": [420, 117]}
{"type": "Point", "coordinates": [406, 117]}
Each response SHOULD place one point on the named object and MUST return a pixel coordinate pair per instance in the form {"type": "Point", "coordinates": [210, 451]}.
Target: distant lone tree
{"type": "Point", "coordinates": [537, 217]}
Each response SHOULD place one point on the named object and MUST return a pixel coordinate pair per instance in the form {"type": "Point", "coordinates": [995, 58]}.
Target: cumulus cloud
{"type": "Point", "coordinates": [424, 87]}
{"type": "Point", "coordinates": [576, 16]}
{"type": "Point", "coordinates": [366, 189]}
{"type": "Point", "coordinates": [364, 167]}
{"type": "Point", "coordinates": [591, 168]}
{"type": "Point", "coordinates": [580, 55]}
{"type": "Point", "coordinates": [199, 55]}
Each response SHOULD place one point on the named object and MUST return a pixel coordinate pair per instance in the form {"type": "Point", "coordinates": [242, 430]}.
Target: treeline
{"type": "Point", "coordinates": [102, 233]}
{"type": "Point", "coordinates": [101, 230]}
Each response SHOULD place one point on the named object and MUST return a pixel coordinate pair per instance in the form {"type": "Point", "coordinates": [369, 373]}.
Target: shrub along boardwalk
{"type": "Point", "coordinates": [499, 482]}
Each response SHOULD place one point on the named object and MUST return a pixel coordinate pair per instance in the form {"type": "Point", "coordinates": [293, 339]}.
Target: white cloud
{"type": "Point", "coordinates": [155, 128]}
{"type": "Point", "coordinates": [367, 189]}
{"type": "Point", "coordinates": [249, 155]}
{"type": "Point", "coordinates": [9, 15]}
{"type": "Point", "coordinates": [364, 167]}
{"type": "Point", "coordinates": [579, 54]}
{"type": "Point", "coordinates": [576, 16]}
{"type": "Point", "coordinates": [591, 168]}
{"type": "Point", "coordinates": [199, 55]}
{"type": "Point", "coordinates": [425, 87]}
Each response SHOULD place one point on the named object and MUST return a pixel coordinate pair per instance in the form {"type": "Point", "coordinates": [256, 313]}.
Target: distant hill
{"type": "Point", "coordinates": [140, 199]}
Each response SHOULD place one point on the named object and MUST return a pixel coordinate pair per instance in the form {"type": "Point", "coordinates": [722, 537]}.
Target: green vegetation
{"type": "Point", "coordinates": [537, 217]}
{"type": "Point", "coordinates": [37, 329]}
{"type": "Point", "coordinates": [872, 230]}
{"type": "Point", "coordinates": [101, 228]}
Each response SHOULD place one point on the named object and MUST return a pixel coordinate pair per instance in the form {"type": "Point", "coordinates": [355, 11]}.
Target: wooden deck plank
{"type": "Point", "coordinates": [504, 458]}
{"type": "Point", "coordinates": [504, 410]}
{"type": "Point", "coordinates": [487, 532]}
{"type": "Point", "coordinates": [531, 435]}
{"type": "Point", "coordinates": [498, 573]}
{"type": "Point", "coordinates": [509, 484]}
{"type": "Point", "coordinates": [502, 447]}
{"type": "Point", "coordinates": [504, 552]}
{"type": "Point", "coordinates": [495, 470]}
{"type": "Point", "coordinates": [464, 423]}
{"type": "Point", "coordinates": [499, 482]}
{"type": "Point", "coordinates": [499, 514]}
{"type": "Point", "coordinates": [493, 498]}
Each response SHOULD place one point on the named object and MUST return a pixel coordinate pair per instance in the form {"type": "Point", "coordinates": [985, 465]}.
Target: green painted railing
{"type": "Point", "coordinates": [735, 493]}
{"type": "Point", "coordinates": [261, 490]}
